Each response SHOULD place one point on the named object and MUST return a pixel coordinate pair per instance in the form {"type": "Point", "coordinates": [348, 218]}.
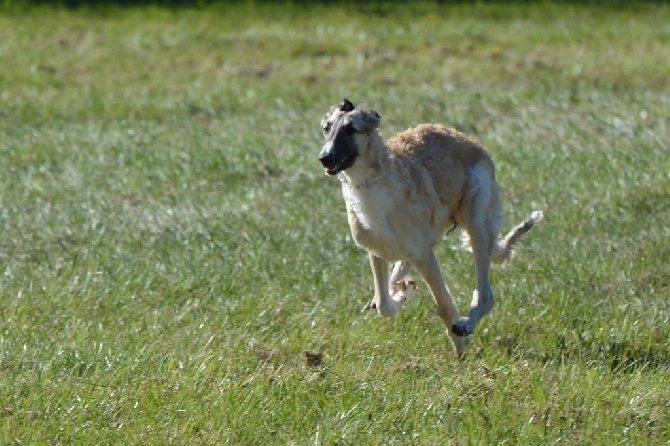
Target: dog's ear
{"type": "Point", "coordinates": [376, 118]}
{"type": "Point", "coordinates": [366, 120]}
{"type": "Point", "coordinates": [371, 119]}
{"type": "Point", "coordinates": [346, 105]}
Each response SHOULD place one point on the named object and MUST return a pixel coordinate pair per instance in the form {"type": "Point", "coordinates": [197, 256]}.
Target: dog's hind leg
{"type": "Point", "coordinates": [482, 296]}
{"type": "Point", "coordinates": [483, 220]}
{"type": "Point", "coordinates": [446, 307]}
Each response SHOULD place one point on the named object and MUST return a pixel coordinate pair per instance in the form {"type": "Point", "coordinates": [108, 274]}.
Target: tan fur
{"type": "Point", "coordinates": [445, 154]}
{"type": "Point", "coordinates": [401, 196]}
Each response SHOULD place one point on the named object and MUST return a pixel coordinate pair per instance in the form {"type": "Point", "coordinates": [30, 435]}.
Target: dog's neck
{"type": "Point", "coordinates": [370, 168]}
{"type": "Point", "coordinates": [359, 185]}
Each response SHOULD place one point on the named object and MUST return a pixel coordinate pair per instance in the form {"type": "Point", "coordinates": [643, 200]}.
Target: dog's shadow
{"type": "Point", "coordinates": [620, 357]}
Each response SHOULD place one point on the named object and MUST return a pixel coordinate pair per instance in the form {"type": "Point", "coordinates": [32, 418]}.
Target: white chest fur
{"type": "Point", "coordinates": [371, 206]}
{"type": "Point", "coordinates": [389, 227]}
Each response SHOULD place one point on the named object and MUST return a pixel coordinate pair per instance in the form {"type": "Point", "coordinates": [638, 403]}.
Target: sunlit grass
{"type": "Point", "coordinates": [171, 247]}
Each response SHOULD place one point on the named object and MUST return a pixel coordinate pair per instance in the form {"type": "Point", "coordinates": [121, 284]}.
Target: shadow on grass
{"type": "Point", "coordinates": [619, 357]}
{"type": "Point", "coordinates": [624, 357]}
{"type": "Point", "coordinates": [372, 6]}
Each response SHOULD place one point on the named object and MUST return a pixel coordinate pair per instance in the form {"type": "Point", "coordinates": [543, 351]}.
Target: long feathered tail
{"type": "Point", "coordinates": [504, 249]}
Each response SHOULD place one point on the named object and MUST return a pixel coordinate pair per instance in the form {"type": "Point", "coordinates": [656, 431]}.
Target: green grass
{"type": "Point", "coordinates": [171, 245]}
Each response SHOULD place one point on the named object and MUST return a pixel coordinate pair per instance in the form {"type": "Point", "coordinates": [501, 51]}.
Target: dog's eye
{"type": "Point", "coordinates": [326, 129]}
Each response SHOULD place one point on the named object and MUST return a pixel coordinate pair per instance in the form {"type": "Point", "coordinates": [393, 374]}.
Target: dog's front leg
{"type": "Point", "coordinates": [401, 286]}
{"type": "Point", "coordinates": [446, 307]}
{"type": "Point", "coordinates": [385, 305]}
{"type": "Point", "coordinates": [400, 270]}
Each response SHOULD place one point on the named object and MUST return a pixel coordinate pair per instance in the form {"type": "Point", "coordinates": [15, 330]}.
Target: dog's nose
{"type": "Point", "coordinates": [327, 157]}
{"type": "Point", "coordinates": [327, 160]}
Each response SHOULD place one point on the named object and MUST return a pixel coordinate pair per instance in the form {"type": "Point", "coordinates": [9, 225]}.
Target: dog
{"type": "Point", "coordinates": [403, 194]}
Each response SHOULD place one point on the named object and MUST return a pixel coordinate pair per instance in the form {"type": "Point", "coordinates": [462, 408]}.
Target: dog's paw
{"type": "Point", "coordinates": [460, 343]}
{"type": "Point", "coordinates": [403, 289]}
{"type": "Point", "coordinates": [463, 327]}
{"type": "Point", "coordinates": [372, 305]}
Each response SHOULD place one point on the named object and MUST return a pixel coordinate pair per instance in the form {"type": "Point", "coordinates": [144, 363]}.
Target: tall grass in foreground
{"type": "Point", "coordinates": [171, 247]}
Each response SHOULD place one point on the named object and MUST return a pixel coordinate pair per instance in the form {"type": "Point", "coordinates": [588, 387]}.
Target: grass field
{"type": "Point", "coordinates": [171, 247]}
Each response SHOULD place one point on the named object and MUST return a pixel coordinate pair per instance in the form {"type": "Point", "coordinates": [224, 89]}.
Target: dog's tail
{"type": "Point", "coordinates": [504, 249]}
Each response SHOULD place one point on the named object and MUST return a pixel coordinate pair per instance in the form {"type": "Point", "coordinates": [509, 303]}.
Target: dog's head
{"type": "Point", "coordinates": [347, 130]}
